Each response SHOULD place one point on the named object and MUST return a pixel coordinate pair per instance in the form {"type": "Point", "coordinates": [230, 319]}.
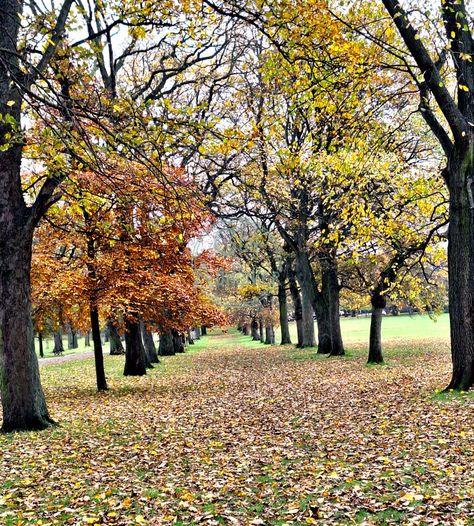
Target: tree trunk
{"type": "Point", "coordinates": [296, 298]}
{"type": "Point", "coordinates": [71, 337]}
{"type": "Point", "coordinates": [178, 343]}
{"type": "Point", "coordinates": [330, 284]}
{"type": "Point", "coordinates": [98, 355]}
{"type": "Point", "coordinates": [269, 335]}
{"type": "Point", "coordinates": [375, 341]}
{"type": "Point", "coordinates": [40, 343]}
{"type": "Point", "coordinates": [197, 333]}
{"type": "Point", "coordinates": [58, 342]}
{"type": "Point", "coordinates": [23, 402]}
{"type": "Point", "coordinates": [255, 331]}
{"type": "Point", "coordinates": [87, 339]}
{"type": "Point", "coordinates": [116, 347]}
{"type": "Point", "coordinates": [261, 331]}
{"type": "Point", "coordinates": [190, 337]}
{"type": "Point", "coordinates": [246, 330]}
{"type": "Point", "coordinates": [304, 274]}
{"type": "Point", "coordinates": [135, 357]}
{"type": "Point", "coordinates": [166, 346]}
{"type": "Point", "coordinates": [283, 309]}
{"type": "Point", "coordinates": [461, 269]}
{"type": "Point", "coordinates": [203, 330]}
{"type": "Point", "coordinates": [149, 344]}
{"type": "Point", "coordinates": [324, 326]}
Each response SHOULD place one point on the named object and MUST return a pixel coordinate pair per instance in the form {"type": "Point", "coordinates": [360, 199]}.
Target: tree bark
{"type": "Point", "coordinates": [178, 343]}
{"type": "Point", "coordinates": [307, 299]}
{"type": "Point", "coordinates": [23, 402]}
{"type": "Point", "coordinates": [261, 332]}
{"type": "Point", "coordinates": [135, 357]}
{"type": "Point", "coordinates": [149, 344]}
{"type": "Point", "coordinates": [87, 339]}
{"type": "Point", "coordinates": [324, 326]}
{"type": "Point", "coordinates": [40, 344]}
{"type": "Point", "coordinates": [254, 329]}
{"type": "Point", "coordinates": [246, 330]}
{"type": "Point", "coordinates": [58, 342]}
{"type": "Point", "coordinates": [166, 346]}
{"type": "Point", "coordinates": [375, 341]}
{"type": "Point", "coordinates": [283, 310]}
{"type": "Point", "coordinates": [71, 337]}
{"type": "Point", "coordinates": [330, 285]}
{"type": "Point", "coordinates": [269, 335]}
{"type": "Point", "coordinates": [461, 268]}
{"type": "Point", "coordinates": [190, 337]}
{"type": "Point", "coordinates": [298, 309]}
{"type": "Point", "coordinates": [98, 354]}
{"type": "Point", "coordinates": [203, 330]}
{"type": "Point", "coordinates": [116, 347]}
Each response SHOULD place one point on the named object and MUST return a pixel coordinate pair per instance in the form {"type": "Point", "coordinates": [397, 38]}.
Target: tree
{"type": "Point", "coordinates": [434, 80]}
{"type": "Point", "coordinates": [23, 401]}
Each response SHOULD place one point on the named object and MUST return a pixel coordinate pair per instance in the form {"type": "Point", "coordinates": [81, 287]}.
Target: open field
{"type": "Point", "coordinates": [230, 434]}
{"type": "Point", "coordinates": [402, 327]}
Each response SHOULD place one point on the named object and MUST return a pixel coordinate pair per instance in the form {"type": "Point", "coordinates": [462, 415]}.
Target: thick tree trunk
{"type": "Point", "coordinates": [307, 321]}
{"type": "Point", "coordinates": [190, 337]}
{"type": "Point", "coordinates": [58, 342]}
{"type": "Point", "coordinates": [261, 331]}
{"type": "Point", "coordinates": [330, 284]}
{"type": "Point", "coordinates": [116, 347]}
{"type": "Point", "coordinates": [166, 346]}
{"type": "Point", "coordinates": [23, 402]}
{"type": "Point", "coordinates": [149, 344]}
{"type": "Point", "coordinates": [296, 298]}
{"type": "Point", "coordinates": [255, 331]}
{"type": "Point", "coordinates": [203, 330]}
{"type": "Point", "coordinates": [40, 344]}
{"type": "Point", "coordinates": [98, 354]}
{"type": "Point", "coordinates": [71, 337]}
{"type": "Point", "coordinates": [269, 335]}
{"type": "Point", "coordinates": [304, 274]}
{"type": "Point", "coordinates": [197, 333]}
{"type": "Point", "coordinates": [178, 341]}
{"type": "Point", "coordinates": [461, 269]}
{"type": "Point", "coordinates": [246, 330]}
{"type": "Point", "coordinates": [324, 326]}
{"type": "Point", "coordinates": [87, 339]}
{"type": "Point", "coordinates": [375, 341]}
{"type": "Point", "coordinates": [283, 310]}
{"type": "Point", "coordinates": [135, 356]}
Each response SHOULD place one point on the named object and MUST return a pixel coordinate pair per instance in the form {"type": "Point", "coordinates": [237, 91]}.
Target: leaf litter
{"type": "Point", "coordinates": [240, 436]}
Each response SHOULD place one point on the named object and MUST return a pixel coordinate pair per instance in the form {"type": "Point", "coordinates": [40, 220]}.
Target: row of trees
{"type": "Point", "coordinates": [308, 119]}
{"type": "Point", "coordinates": [329, 185]}
{"type": "Point", "coordinates": [97, 129]}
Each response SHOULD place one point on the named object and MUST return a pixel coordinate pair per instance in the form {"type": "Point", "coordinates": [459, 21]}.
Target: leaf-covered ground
{"type": "Point", "coordinates": [241, 436]}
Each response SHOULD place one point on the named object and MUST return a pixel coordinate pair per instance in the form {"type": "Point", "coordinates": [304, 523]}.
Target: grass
{"type": "Point", "coordinates": [394, 328]}
{"type": "Point", "coordinates": [239, 433]}
{"type": "Point", "coordinates": [48, 346]}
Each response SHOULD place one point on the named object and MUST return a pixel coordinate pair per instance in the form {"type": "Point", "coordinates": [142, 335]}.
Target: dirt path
{"type": "Point", "coordinates": [67, 358]}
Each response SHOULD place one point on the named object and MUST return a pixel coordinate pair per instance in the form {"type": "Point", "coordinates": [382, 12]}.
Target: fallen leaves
{"type": "Point", "coordinates": [267, 436]}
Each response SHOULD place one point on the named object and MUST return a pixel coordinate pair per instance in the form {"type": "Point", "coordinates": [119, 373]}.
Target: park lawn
{"type": "Point", "coordinates": [402, 327]}
{"type": "Point", "coordinates": [48, 346]}
{"type": "Point", "coordinates": [230, 434]}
